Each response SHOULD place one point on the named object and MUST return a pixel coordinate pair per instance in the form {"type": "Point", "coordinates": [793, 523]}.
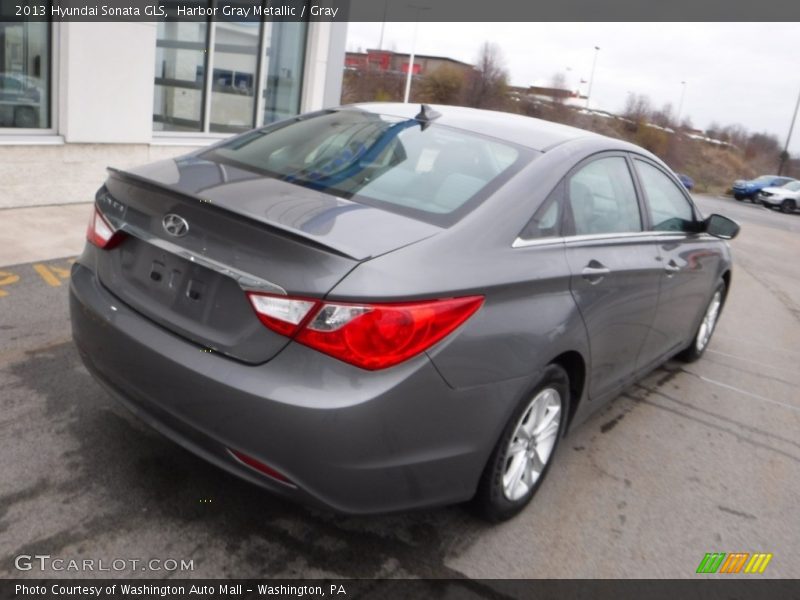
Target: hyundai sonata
{"type": "Point", "coordinates": [380, 307]}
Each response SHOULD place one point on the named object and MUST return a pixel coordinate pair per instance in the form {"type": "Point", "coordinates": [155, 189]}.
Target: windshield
{"type": "Point", "coordinates": [793, 186]}
{"type": "Point", "coordinates": [434, 173]}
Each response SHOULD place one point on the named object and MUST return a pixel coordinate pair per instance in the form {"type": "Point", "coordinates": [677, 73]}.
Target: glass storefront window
{"type": "Point", "coordinates": [285, 55]}
{"type": "Point", "coordinates": [233, 87]}
{"type": "Point", "coordinates": [25, 75]}
{"type": "Point", "coordinates": [180, 76]}
{"type": "Point", "coordinates": [233, 98]}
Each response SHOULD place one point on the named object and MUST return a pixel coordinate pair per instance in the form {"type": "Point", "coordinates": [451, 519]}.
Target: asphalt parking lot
{"type": "Point", "coordinates": [694, 459]}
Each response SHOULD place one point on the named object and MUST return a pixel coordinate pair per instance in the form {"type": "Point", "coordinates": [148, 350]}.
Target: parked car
{"type": "Point", "coordinates": [687, 181]}
{"type": "Point", "coordinates": [743, 189]}
{"type": "Point", "coordinates": [376, 310]}
{"type": "Point", "coordinates": [786, 197]}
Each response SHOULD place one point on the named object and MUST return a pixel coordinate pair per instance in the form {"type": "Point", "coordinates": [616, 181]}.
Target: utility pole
{"type": "Point", "coordinates": [410, 70]}
{"type": "Point", "coordinates": [383, 25]}
{"type": "Point", "coordinates": [785, 153]}
{"type": "Point", "coordinates": [591, 77]}
{"type": "Point", "coordinates": [680, 106]}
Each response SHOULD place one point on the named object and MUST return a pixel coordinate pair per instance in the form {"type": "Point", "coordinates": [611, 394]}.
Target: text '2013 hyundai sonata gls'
{"type": "Point", "coordinates": [381, 307]}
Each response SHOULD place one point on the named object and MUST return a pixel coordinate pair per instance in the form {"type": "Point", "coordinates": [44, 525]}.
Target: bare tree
{"type": "Point", "coordinates": [443, 86]}
{"type": "Point", "coordinates": [663, 117]}
{"type": "Point", "coordinates": [638, 109]}
{"type": "Point", "coordinates": [487, 84]}
{"type": "Point", "coordinates": [763, 144]}
{"type": "Point", "coordinates": [713, 130]}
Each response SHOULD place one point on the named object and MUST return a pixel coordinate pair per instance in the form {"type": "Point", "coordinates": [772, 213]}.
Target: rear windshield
{"type": "Point", "coordinates": [436, 174]}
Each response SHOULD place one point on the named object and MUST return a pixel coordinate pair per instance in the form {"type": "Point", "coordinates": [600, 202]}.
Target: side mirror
{"type": "Point", "coordinates": [721, 227]}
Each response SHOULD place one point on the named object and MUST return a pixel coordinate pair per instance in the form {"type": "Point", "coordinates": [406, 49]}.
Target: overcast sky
{"type": "Point", "coordinates": [747, 73]}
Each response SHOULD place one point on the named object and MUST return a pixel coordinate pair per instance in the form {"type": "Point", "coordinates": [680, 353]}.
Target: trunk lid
{"type": "Point", "coordinates": [245, 231]}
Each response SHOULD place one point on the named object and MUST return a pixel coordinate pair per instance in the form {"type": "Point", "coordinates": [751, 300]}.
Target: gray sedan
{"type": "Point", "coordinates": [380, 307]}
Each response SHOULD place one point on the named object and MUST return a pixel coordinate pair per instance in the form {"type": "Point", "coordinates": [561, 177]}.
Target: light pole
{"type": "Point", "coordinates": [383, 24]}
{"type": "Point", "coordinates": [785, 153]}
{"type": "Point", "coordinates": [410, 70]}
{"type": "Point", "coordinates": [680, 105]}
{"type": "Point", "coordinates": [591, 77]}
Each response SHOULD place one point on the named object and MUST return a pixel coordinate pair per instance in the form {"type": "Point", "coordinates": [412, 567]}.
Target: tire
{"type": "Point", "coordinates": [788, 206]}
{"type": "Point", "coordinates": [498, 497]}
{"type": "Point", "coordinates": [739, 197]}
{"type": "Point", "coordinates": [705, 330]}
{"type": "Point", "coordinates": [754, 198]}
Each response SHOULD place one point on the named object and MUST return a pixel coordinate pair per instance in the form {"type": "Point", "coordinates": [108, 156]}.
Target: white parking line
{"type": "Point", "coordinates": [753, 362]}
{"type": "Point", "coordinates": [746, 393]}
{"type": "Point", "coordinates": [792, 351]}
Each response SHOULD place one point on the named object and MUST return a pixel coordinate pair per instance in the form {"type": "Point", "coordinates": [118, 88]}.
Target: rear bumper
{"type": "Point", "coordinates": [351, 440]}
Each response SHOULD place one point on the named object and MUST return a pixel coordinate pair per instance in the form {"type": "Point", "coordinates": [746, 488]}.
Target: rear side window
{"type": "Point", "coordinates": [436, 173]}
{"type": "Point", "coordinates": [601, 198]}
{"type": "Point", "coordinates": [546, 221]}
{"type": "Point", "coordinates": [669, 208]}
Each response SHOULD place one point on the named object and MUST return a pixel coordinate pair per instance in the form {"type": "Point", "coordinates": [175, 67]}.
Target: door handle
{"type": "Point", "coordinates": [671, 268]}
{"type": "Point", "coordinates": [595, 272]}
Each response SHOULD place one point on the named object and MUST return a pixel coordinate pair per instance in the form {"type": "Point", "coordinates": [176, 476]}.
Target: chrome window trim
{"type": "Point", "coordinates": [648, 235]}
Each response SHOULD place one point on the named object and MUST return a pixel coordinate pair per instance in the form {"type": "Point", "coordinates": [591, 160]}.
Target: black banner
{"type": "Point", "coordinates": [398, 10]}
{"type": "Point", "coordinates": [739, 588]}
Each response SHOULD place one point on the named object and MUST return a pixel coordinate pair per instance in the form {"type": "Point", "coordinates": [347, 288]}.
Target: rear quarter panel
{"type": "Point", "coordinates": [529, 316]}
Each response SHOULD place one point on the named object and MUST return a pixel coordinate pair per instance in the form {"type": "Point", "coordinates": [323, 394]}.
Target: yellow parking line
{"type": "Point", "coordinates": [7, 278]}
{"type": "Point", "coordinates": [46, 274]}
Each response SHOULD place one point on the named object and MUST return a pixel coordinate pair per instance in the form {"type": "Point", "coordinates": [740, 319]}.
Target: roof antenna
{"type": "Point", "coordinates": [426, 116]}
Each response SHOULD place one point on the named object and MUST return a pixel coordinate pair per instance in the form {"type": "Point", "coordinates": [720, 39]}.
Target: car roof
{"type": "Point", "coordinates": [525, 131]}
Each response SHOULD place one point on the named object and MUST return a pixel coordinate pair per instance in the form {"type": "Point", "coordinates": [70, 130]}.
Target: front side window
{"type": "Point", "coordinates": [669, 208]}
{"type": "Point", "coordinates": [602, 199]}
{"type": "Point", "coordinates": [434, 174]}
{"type": "Point", "coordinates": [25, 75]}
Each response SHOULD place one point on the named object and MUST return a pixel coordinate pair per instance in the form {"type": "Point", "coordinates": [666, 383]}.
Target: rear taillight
{"type": "Point", "coordinates": [370, 336]}
{"type": "Point", "coordinates": [101, 233]}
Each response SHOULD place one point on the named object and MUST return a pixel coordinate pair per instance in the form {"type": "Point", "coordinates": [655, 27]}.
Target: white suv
{"type": "Point", "coordinates": [787, 197]}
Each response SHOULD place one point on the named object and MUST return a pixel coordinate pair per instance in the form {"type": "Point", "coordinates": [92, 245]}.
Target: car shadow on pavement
{"type": "Point", "coordinates": [131, 481]}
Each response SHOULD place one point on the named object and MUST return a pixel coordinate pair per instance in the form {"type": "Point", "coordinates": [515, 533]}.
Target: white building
{"type": "Point", "coordinates": [78, 97]}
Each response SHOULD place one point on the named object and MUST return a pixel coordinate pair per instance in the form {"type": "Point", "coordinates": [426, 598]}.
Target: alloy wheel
{"type": "Point", "coordinates": [709, 321]}
{"type": "Point", "coordinates": [532, 444]}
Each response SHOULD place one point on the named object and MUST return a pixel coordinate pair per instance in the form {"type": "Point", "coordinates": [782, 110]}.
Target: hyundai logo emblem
{"type": "Point", "coordinates": [175, 225]}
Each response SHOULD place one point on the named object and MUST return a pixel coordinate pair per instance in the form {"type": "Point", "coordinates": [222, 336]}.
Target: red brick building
{"type": "Point", "coordinates": [396, 62]}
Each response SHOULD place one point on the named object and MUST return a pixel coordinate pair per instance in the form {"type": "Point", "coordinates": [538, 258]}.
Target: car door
{"type": "Point", "coordinates": [690, 260]}
{"type": "Point", "coordinates": [614, 267]}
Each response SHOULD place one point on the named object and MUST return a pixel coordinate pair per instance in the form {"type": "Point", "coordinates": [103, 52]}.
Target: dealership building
{"type": "Point", "coordinates": [76, 97]}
